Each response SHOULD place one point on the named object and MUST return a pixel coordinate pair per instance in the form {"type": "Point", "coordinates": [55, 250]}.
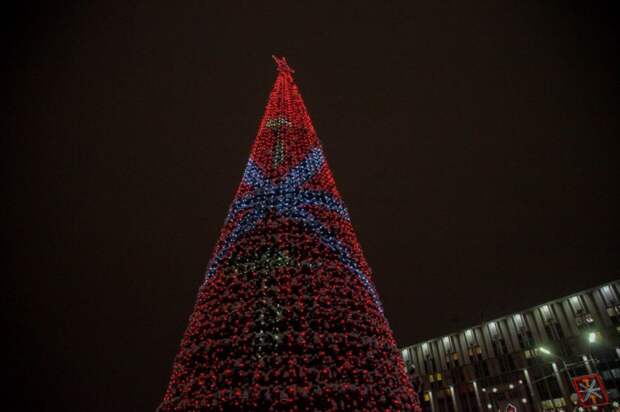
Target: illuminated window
{"type": "Point", "coordinates": [532, 353]}
{"type": "Point", "coordinates": [613, 311]}
{"type": "Point", "coordinates": [425, 349]}
{"type": "Point", "coordinates": [614, 314]}
{"type": "Point", "coordinates": [584, 321]}
{"type": "Point", "coordinates": [519, 321]}
{"type": "Point", "coordinates": [547, 404]}
{"type": "Point", "coordinates": [546, 313]}
{"type": "Point", "coordinates": [609, 295]}
{"type": "Point", "coordinates": [474, 351]}
{"type": "Point", "coordinates": [559, 402]}
{"type": "Point", "coordinates": [577, 304]}
{"type": "Point", "coordinates": [493, 330]}
{"type": "Point", "coordinates": [438, 376]}
{"type": "Point", "coordinates": [469, 337]}
{"type": "Point", "coordinates": [447, 344]}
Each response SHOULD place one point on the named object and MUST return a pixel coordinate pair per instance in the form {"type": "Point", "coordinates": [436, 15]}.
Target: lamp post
{"type": "Point", "coordinates": [561, 359]}
{"type": "Point", "coordinates": [564, 390]}
{"type": "Point", "coordinates": [592, 339]}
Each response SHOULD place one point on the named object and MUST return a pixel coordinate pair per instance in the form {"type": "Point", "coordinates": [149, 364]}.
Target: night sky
{"type": "Point", "coordinates": [474, 143]}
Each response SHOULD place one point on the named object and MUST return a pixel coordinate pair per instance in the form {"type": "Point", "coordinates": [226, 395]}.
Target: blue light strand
{"type": "Point", "coordinates": [287, 198]}
{"type": "Point", "coordinates": [333, 243]}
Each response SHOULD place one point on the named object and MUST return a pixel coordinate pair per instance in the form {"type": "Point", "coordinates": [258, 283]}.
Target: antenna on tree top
{"type": "Point", "coordinates": [282, 64]}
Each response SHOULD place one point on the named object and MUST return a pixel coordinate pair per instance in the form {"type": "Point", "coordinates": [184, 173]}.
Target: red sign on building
{"type": "Point", "coordinates": [590, 390]}
{"type": "Point", "coordinates": [511, 408]}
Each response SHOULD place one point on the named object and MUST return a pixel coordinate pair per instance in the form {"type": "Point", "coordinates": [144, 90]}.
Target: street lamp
{"type": "Point", "coordinates": [548, 352]}
{"type": "Point", "coordinates": [592, 337]}
{"type": "Point", "coordinates": [557, 373]}
{"type": "Point", "coordinates": [545, 351]}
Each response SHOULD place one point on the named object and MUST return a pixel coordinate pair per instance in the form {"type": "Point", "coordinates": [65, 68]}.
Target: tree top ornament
{"type": "Point", "coordinates": [282, 64]}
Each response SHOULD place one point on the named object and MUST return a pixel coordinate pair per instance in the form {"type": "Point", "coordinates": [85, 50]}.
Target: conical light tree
{"type": "Point", "coordinates": [288, 317]}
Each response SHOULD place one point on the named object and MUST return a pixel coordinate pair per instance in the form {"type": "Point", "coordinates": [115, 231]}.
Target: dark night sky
{"type": "Point", "coordinates": [475, 144]}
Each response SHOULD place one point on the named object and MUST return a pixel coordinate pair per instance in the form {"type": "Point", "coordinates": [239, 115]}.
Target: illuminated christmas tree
{"type": "Point", "coordinates": [288, 317]}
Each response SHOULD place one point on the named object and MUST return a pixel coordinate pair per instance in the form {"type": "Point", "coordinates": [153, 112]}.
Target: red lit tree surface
{"type": "Point", "coordinates": [288, 317]}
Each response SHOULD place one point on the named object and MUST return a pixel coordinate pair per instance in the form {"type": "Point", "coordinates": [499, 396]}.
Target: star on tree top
{"type": "Point", "coordinates": [282, 65]}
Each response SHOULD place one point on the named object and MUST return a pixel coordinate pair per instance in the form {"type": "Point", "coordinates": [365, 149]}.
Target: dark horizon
{"type": "Point", "coordinates": [475, 147]}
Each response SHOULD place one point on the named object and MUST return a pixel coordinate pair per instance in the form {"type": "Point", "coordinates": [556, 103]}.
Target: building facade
{"type": "Point", "coordinates": [524, 361]}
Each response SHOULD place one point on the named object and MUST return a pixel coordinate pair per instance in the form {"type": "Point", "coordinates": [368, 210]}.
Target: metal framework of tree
{"type": "Point", "coordinates": [288, 317]}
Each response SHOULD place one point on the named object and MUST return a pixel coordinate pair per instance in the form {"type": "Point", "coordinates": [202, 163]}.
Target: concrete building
{"type": "Point", "coordinates": [524, 361]}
